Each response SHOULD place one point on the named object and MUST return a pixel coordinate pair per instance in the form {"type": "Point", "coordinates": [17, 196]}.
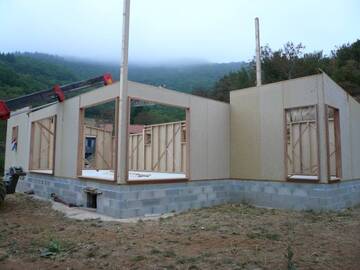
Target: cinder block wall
{"type": "Point", "coordinates": [126, 201]}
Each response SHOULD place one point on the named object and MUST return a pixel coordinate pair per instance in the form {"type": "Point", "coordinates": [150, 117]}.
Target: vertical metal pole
{"type": "Point", "coordinates": [122, 171]}
{"type": "Point", "coordinates": [258, 53]}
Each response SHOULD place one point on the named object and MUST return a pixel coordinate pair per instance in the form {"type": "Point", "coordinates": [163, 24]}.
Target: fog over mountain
{"type": "Point", "coordinates": [167, 31]}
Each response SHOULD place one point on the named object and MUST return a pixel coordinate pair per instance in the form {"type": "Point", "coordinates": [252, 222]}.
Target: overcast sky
{"type": "Point", "coordinates": [168, 30]}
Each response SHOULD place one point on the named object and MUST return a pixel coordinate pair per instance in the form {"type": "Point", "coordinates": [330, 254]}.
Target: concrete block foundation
{"type": "Point", "coordinates": [127, 201]}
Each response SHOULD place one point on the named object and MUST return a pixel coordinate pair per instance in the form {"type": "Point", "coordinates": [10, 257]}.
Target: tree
{"type": "Point", "coordinates": [344, 67]}
{"type": "Point", "coordinates": [291, 62]}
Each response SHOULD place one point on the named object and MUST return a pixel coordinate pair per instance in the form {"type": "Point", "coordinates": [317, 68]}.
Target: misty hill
{"type": "Point", "coordinates": [23, 73]}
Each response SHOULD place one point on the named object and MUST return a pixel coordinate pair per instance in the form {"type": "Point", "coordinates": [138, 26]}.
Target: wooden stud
{"type": "Point", "coordinates": [337, 128]}
{"type": "Point", "coordinates": [81, 154]}
{"type": "Point", "coordinates": [301, 149]}
{"type": "Point", "coordinates": [188, 142]}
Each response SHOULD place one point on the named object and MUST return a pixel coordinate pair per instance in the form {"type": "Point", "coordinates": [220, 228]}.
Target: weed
{"type": "Point", "coordinates": [261, 233]}
{"type": "Point", "coordinates": [52, 249]}
{"type": "Point", "coordinates": [138, 258]}
{"type": "Point", "coordinates": [273, 236]}
{"type": "Point", "coordinates": [169, 254]}
{"type": "Point", "coordinates": [155, 251]}
{"type": "Point", "coordinates": [289, 257]}
{"type": "Point", "coordinates": [92, 252]}
{"type": "Point", "coordinates": [3, 256]}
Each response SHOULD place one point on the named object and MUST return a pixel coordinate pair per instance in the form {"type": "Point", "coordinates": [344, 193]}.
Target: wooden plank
{"type": "Point", "coordinates": [310, 146]}
{"type": "Point", "coordinates": [40, 149]}
{"type": "Point", "coordinates": [44, 127]}
{"type": "Point", "coordinates": [116, 126]}
{"type": "Point", "coordinates": [337, 128]}
{"type": "Point", "coordinates": [327, 139]}
{"type": "Point", "coordinates": [301, 149]}
{"type": "Point", "coordinates": [188, 141]}
{"type": "Point", "coordinates": [81, 154]}
{"type": "Point", "coordinates": [166, 143]}
{"type": "Point", "coordinates": [167, 146]}
{"type": "Point", "coordinates": [54, 144]}
{"type": "Point", "coordinates": [173, 148]}
{"type": "Point", "coordinates": [31, 160]}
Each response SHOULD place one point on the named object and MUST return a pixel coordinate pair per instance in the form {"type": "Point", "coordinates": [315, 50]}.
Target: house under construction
{"type": "Point", "coordinates": [292, 144]}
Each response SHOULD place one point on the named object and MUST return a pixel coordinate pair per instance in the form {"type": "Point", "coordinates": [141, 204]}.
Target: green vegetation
{"type": "Point", "coordinates": [290, 62]}
{"type": "Point", "coordinates": [156, 114]}
{"type": "Point", "coordinates": [23, 73]}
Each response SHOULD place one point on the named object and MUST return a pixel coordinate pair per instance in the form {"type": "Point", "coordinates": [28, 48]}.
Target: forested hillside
{"type": "Point", "coordinates": [24, 73]}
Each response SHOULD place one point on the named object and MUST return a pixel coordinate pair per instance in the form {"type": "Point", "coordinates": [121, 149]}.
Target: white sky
{"type": "Point", "coordinates": [169, 30]}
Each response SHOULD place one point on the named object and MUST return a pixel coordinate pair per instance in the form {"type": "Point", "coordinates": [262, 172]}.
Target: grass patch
{"type": "Point", "coordinates": [262, 233]}
{"type": "Point", "coordinates": [52, 249]}
{"type": "Point", "coordinates": [169, 254]}
{"type": "Point", "coordinates": [138, 258]}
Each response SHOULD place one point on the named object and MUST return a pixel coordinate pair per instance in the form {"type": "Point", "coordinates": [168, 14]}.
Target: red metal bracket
{"type": "Point", "coordinates": [4, 111]}
{"type": "Point", "coordinates": [59, 93]}
{"type": "Point", "coordinates": [108, 79]}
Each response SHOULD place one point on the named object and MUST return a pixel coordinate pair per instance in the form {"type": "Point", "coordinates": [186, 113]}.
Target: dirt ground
{"type": "Point", "coordinates": [33, 236]}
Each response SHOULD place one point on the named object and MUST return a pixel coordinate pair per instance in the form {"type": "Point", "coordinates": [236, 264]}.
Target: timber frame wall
{"type": "Point", "coordinates": [42, 145]}
{"type": "Point", "coordinates": [253, 125]}
{"type": "Point", "coordinates": [260, 133]}
{"type": "Point", "coordinates": [108, 160]}
{"type": "Point", "coordinates": [301, 143]}
{"type": "Point", "coordinates": [207, 133]}
{"type": "Point", "coordinates": [159, 148]}
{"type": "Point", "coordinates": [105, 154]}
{"type": "Point", "coordinates": [333, 138]}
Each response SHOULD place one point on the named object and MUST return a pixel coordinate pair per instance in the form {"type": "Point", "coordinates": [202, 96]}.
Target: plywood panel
{"type": "Point", "coordinates": [21, 156]}
{"type": "Point", "coordinates": [354, 138]}
{"type": "Point", "coordinates": [199, 139]}
{"type": "Point", "coordinates": [69, 137]}
{"type": "Point", "coordinates": [300, 92]}
{"type": "Point", "coordinates": [218, 141]}
{"type": "Point", "coordinates": [272, 132]}
{"type": "Point", "coordinates": [257, 127]}
{"type": "Point", "coordinates": [245, 134]}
